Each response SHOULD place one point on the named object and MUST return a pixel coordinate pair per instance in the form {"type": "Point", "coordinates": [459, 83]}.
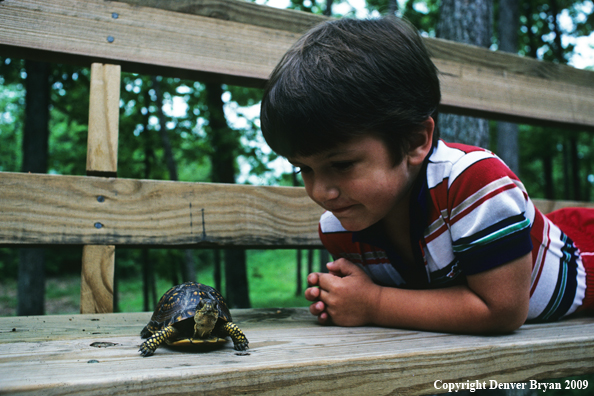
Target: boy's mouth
{"type": "Point", "coordinates": [341, 209]}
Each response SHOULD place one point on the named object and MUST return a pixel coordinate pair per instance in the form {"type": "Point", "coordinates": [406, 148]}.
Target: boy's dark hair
{"type": "Point", "coordinates": [348, 78]}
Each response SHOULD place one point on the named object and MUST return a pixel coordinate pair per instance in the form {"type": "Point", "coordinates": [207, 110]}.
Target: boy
{"type": "Point", "coordinates": [427, 235]}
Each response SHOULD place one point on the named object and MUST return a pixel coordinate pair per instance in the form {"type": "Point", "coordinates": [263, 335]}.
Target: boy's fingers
{"type": "Point", "coordinates": [325, 281]}
{"type": "Point", "coordinates": [312, 293]}
{"type": "Point", "coordinates": [317, 308]}
{"type": "Point", "coordinates": [324, 319]}
{"type": "Point", "coordinates": [312, 279]}
{"type": "Point", "coordinates": [341, 267]}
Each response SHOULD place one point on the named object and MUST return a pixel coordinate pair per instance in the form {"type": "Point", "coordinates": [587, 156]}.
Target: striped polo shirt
{"type": "Point", "coordinates": [469, 213]}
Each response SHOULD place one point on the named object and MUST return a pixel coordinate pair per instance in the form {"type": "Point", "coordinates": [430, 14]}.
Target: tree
{"type": "Point", "coordinates": [557, 150]}
{"type": "Point", "coordinates": [31, 279]}
{"type": "Point", "coordinates": [188, 268]}
{"type": "Point", "coordinates": [466, 21]}
{"type": "Point", "coordinates": [225, 144]}
{"type": "Point", "coordinates": [507, 132]}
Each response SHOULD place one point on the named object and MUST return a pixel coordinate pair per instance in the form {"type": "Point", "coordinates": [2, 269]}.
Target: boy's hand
{"type": "Point", "coordinates": [345, 296]}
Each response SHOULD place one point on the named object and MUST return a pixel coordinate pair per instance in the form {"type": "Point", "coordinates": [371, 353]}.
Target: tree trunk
{"type": "Point", "coordinates": [224, 143]}
{"type": "Point", "coordinates": [31, 278]}
{"type": "Point", "coordinates": [299, 288]}
{"type": "Point", "coordinates": [324, 259]}
{"type": "Point", "coordinates": [566, 170]}
{"type": "Point", "coordinates": [328, 8]}
{"type": "Point", "coordinates": [217, 269]}
{"type": "Point", "coordinates": [236, 284]}
{"type": "Point", "coordinates": [187, 269]}
{"type": "Point", "coordinates": [507, 133]}
{"type": "Point", "coordinates": [465, 21]}
{"type": "Point", "coordinates": [547, 170]}
{"type": "Point", "coordinates": [149, 286]}
{"type": "Point", "coordinates": [169, 159]}
{"type": "Point", "coordinates": [575, 167]}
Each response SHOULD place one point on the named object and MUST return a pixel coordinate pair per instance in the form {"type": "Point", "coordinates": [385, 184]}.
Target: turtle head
{"type": "Point", "coordinates": [205, 318]}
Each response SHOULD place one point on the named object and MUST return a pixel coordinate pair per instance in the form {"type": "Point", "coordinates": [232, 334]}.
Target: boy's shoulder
{"type": "Point", "coordinates": [454, 152]}
{"type": "Point", "coordinates": [450, 161]}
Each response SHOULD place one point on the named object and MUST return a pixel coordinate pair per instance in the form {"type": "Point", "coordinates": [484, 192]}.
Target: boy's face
{"type": "Point", "coordinates": [358, 182]}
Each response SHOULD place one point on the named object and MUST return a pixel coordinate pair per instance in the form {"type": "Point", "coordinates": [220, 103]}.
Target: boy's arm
{"type": "Point", "coordinates": [492, 301]}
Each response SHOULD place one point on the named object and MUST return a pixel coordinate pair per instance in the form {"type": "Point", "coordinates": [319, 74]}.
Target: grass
{"type": "Point", "coordinates": [272, 280]}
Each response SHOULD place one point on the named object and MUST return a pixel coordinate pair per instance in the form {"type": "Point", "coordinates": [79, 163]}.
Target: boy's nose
{"type": "Point", "coordinates": [322, 191]}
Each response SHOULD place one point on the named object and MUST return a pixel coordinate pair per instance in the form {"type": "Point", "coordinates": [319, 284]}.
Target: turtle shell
{"type": "Point", "coordinates": [180, 302]}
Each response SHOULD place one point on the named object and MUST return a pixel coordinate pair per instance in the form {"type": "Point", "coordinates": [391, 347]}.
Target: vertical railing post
{"type": "Point", "coordinates": [98, 261]}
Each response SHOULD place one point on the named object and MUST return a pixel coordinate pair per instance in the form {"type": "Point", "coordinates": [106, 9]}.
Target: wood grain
{"type": "Point", "coordinates": [46, 209]}
{"type": "Point", "coordinates": [498, 94]}
{"type": "Point", "coordinates": [239, 11]}
{"type": "Point", "coordinates": [239, 47]}
{"type": "Point", "coordinates": [104, 117]}
{"type": "Point", "coordinates": [98, 261]}
{"type": "Point", "coordinates": [289, 354]}
{"type": "Point", "coordinates": [144, 35]}
{"type": "Point", "coordinates": [75, 210]}
{"type": "Point", "coordinates": [97, 277]}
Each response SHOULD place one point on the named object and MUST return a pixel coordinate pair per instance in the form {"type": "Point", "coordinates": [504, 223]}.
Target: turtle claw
{"type": "Point", "coordinates": [241, 346]}
{"type": "Point", "coordinates": [145, 351]}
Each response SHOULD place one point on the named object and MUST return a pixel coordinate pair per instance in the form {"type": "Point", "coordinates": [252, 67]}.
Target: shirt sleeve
{"type": "Point", "coordinates": [487, 214]}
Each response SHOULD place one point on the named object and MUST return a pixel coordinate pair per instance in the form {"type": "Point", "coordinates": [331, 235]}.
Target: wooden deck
{"type": "Point", "coordinates": [289, 354]}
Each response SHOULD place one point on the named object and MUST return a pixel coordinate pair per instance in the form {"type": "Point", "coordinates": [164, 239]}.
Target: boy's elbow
{"type": "Point", "coordinates": [509, 319]}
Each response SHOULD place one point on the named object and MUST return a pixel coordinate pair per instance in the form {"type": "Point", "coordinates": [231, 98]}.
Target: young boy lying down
{"type": "Point", "coordinates": [426, 234]}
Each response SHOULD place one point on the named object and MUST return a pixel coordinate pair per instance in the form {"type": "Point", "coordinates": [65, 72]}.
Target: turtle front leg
{"type": "Point", "coordinates": [149, 346]}
{"type": "Point", "coordinates": [240, 342]}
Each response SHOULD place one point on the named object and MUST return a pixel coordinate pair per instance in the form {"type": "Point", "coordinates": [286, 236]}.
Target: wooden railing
{"type": "Point", "coordinates": [227, 41]}
{"type": "Point", "coordinates": [235, 42]}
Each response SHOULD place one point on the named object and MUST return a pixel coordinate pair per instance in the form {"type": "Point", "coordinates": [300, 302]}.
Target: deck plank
{"type": "Point", "coordinates": [289, 353]}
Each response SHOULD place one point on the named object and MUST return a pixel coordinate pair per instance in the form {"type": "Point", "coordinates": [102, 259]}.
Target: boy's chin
{"type": "Point", "coordinates": [353, 225]}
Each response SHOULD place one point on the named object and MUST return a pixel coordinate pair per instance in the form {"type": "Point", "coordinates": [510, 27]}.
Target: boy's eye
{"type": "Point", "coordinates": [342, 165]}
{"type": "Point", "coordinates": [302, 169]}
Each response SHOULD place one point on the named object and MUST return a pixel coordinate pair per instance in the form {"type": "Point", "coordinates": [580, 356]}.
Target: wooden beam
{"type": "Point", "coordinates": [497, 85]}
{"type": "Point", "coordinates": [104, 116]}
{"type": "Point", "coordinates": [133, 35]}
{"type": "Point", "coordinates": [98, 262]}
{"type": "Point", "coordinates": [547, 206]}
{"type": "Point", "coordinates": [290, 354]}
{"type": "Point", "coordinates": [97, 279]}
{"type": "Point", "coordinates": [239, 11]}
{"type": "Point", "coordinates": [243, 48]}
{"type": "Point", "coordinates": [79, 210]}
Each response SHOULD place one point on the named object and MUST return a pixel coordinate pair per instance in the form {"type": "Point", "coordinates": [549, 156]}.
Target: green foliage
{"type": "Point", "coordinates": [540, 144]}
{"type": "Point", "coordinates": [423, 14]}
{"type": "Point", "coordinates": [12, 108]}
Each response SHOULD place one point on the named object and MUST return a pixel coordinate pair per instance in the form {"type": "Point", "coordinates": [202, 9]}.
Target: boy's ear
{"type": "Point", "coordinates": [422, 143]}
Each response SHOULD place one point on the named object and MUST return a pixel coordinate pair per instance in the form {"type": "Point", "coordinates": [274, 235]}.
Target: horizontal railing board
{"type": "Point", "coordinates": [475, 81]}
{"type": "Point", "coordinates": [40, 209]}
{"type": "Point", "coordinates": [143, 36]}
{"type": "Point", "coordinates": [72, 210]}
{"type": "Point", "coordinates": [239, 11]}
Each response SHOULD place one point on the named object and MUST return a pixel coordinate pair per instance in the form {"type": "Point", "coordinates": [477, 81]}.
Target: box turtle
{"type": "Point", "coordinates": [190, 313]}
